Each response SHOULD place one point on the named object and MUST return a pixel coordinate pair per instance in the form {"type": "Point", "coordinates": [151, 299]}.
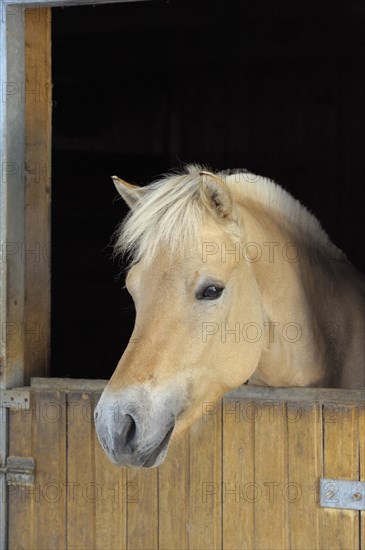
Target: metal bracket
{"type": "Point", "coordinates": [19, 470]}
{"type": "Point", "coordinates": [342, 493]}
{"type": "Point", "coordinates": [15, 399]}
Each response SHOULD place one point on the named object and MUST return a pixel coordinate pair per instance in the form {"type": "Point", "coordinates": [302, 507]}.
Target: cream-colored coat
{"type": "Point", "coordinates": [290, 312]}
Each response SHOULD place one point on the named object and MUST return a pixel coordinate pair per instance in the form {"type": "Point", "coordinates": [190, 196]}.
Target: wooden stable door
{"type": "Point", "coordinates": [245, 476]}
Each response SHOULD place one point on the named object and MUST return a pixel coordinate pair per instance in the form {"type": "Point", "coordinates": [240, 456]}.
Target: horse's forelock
{"type": "Point", "coordinates": [170, 214]}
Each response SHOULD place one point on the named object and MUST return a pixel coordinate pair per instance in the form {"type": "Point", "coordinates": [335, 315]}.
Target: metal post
{"type": "Point", "coordinates": [12, 82]}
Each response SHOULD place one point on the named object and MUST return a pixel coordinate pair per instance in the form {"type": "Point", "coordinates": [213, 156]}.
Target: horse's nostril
{"type": "Point", "coordinates": [130, 430]}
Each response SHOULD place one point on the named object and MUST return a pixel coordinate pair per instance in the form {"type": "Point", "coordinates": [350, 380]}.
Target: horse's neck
{"type": "Point", "coordinates": [295, 287]}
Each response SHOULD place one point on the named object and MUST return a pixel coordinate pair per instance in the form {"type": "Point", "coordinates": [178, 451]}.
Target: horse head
{"type": "Point", "coordinates": [190, 291]}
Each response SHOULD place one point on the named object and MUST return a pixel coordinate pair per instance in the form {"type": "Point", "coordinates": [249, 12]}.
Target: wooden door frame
{"type": "Point", "coordinates": [25, 193]}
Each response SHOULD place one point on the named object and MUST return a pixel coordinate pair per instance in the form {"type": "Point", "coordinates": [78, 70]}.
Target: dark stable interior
{"type": "Point", "coordinates": [140, 88]}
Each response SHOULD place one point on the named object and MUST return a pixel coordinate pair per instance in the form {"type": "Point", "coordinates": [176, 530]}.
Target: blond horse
{"type": "Point", "coordinates": [233, 280]}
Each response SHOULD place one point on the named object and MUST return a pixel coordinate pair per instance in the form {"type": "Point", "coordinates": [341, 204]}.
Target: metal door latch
{"type": "Point", "coordinates": [19, 470]}
{"type": "Point", "coordinates": [342, 493]}
{"type": "Point", "coordinates": [15, 399]}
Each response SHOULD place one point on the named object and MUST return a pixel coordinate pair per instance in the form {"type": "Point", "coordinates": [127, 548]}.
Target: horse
{"type": "Point", "coordinates": [234, 282]}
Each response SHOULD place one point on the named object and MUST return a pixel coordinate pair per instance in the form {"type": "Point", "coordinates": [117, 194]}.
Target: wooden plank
{"type": "Point", "coordinates": [83, 491]}
{"type": "Point", "coordinates": [305, 469]}
{"type": "Point", "coordinates": [68, 384]}
{"type": "Point", "coordinates": [330, 395]}
{"type": "Point", "coordinates": [173, 496]}
{"type": "Point", "coordinates": [37, 512]}
{"type": "Point", "coordinates": [205, 525]}
{"type": "Point", "coordinates": [238, 485]}
{"type": "Point", "coordinates": [36, 93]}
{"type": "Point", "coordinates": [142, 509]}
{"type": "Point", "coordinates": [271, 467]}
{"type": "Point", "coordinates": [362, 469]}
{"type": "Point", "coordinates": [113, 495]}
{"type": "Point", "coordinates": [340, 528]}
{"type": "Point", "coordinates": [20, 503]}
{"type": "Point", "coordinates": [326, 395]}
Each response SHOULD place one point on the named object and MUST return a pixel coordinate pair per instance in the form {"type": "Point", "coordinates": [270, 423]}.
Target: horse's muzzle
{"type": "Point", "coordinates": [134, 433]}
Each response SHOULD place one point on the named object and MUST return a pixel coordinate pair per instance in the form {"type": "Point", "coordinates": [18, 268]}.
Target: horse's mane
{"type": "Point", "coordinates": [171, 212]}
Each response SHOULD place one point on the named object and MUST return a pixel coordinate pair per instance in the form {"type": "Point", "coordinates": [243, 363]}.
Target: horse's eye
{"type": "Point", "coordinates": [211, 292]}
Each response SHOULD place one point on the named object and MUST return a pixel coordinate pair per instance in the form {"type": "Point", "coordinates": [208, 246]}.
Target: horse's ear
{"type": "Point", "coordinates": [129, 193]}
{"type": "Point", "coordinates": [216, 195]}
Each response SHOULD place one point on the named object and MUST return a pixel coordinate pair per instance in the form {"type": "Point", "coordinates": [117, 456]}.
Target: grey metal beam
{"type": "Point", "coordinates": [12, 151]}
{"type": "Point", "coordinates": [12, 147]}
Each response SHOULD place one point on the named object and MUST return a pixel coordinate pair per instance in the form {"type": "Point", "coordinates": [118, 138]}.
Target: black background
{"type": "Point", "coordinates": [139, 88]}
